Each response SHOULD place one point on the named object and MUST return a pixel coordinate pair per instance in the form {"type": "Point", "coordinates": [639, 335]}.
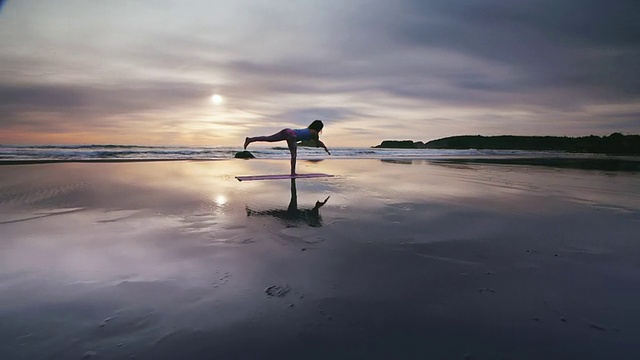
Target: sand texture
{"type": "Point", "coordinates": [387, 260]}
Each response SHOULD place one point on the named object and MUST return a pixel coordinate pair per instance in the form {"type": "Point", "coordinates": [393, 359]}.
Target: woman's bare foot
{"type": "Point", "coordinates": [246, 143]}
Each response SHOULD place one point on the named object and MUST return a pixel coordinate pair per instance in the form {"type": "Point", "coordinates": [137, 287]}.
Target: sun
{"type": "Point", "coordinates": [216, 99]}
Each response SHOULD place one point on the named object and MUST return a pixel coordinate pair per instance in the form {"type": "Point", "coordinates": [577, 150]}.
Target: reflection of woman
{"type": "Point", "coordinates": [293, 215]}
{"type": "Point", "coordinates": [312, 132]}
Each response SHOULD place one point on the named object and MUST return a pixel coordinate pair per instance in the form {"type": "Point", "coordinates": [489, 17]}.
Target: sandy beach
{"type": "Point", "coordinates": [411, 259]}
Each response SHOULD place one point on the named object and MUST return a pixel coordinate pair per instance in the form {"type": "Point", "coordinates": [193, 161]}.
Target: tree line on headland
{"type": "Point", "coordinates": [615, 143]}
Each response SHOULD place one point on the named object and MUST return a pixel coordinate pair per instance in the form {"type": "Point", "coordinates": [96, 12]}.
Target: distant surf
{"type": "Point", "coordinates": [21, 153]}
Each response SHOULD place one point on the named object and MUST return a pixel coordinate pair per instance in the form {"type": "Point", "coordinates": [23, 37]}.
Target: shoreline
{"type": "Point", "coordinates": [596, 162]}
{"type": "Point", "coordinates": [63, 161]}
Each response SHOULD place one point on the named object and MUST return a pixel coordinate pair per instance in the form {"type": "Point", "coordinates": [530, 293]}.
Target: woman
{"type": "Point", "coordinates": [312, 132]}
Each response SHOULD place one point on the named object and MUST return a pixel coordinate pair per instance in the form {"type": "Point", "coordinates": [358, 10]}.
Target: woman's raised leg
{"type": "Point", "coordinates": [279, 136]}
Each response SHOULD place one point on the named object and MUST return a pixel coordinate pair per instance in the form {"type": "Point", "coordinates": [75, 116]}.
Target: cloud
{"type": "Point", "coordinates": [393, 67]}
{"type": "Point", "coordinates": [564, 44]}
{"type": "Point", "coordinates": [75, 106]}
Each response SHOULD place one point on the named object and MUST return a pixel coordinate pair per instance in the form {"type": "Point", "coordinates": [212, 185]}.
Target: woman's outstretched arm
{"type": "Point", "coordinates": [321, 144]}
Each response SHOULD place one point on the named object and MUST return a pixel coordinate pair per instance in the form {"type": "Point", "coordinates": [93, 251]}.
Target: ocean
{"type": "Point", "coordinates": [138, 152]}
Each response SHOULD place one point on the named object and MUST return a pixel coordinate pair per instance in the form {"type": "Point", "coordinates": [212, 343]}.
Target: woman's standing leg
{"type": "Point", "coordinates": [293, 148]}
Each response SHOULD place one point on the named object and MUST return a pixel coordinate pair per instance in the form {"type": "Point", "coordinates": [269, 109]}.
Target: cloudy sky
{"type": "Point", "coordinates": [145, 71]}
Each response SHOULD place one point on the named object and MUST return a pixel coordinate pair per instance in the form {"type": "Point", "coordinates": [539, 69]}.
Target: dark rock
{"type": "Point", "coordinates": [400, 144]}
{"type": "Point", "coordinates": [615, 143]}
{"type": "Point", "coordinates": [244, 155]}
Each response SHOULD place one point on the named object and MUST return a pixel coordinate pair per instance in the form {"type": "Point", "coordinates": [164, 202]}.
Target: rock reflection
{"type": "Point", "coordinates": [292, 215]}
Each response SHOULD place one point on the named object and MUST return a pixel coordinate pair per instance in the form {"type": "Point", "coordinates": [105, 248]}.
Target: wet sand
{"type": "Point", "coordinates": [388, 260]}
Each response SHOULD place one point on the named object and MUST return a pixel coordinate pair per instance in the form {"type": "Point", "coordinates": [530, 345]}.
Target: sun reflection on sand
{"type": "Point", "coordinates": [220, 200]}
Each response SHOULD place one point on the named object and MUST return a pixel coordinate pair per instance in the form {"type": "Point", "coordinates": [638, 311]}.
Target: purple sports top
{"type": "Point", "coordinates": [303, 134]}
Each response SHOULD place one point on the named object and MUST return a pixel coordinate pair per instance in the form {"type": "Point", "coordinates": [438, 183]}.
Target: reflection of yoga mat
{"type": "Point", "coordinates": [279, 177]}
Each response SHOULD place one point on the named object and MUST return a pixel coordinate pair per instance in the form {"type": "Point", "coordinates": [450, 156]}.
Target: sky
{"type": "Point", "coordinates": [146, 71]}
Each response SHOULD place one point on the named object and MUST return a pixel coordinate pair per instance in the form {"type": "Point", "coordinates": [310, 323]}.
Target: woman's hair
{"type": "Point", "coordinates": [316, 125]}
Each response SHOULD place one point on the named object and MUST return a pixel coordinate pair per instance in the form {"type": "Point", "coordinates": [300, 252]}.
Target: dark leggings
{"type": "Point", "coordinates": [283, 135]}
